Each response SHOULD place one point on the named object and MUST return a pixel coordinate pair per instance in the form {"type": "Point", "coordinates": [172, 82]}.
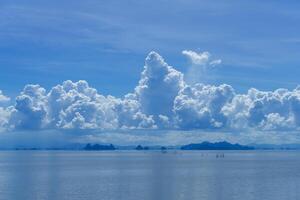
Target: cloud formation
{"type": "Point", "coordinates": [204, 59]}
{"type": "Point", "coordinates": [3, 98]}
{"type": "Point", "coordinates": [201, 63]}
{"type": "Point", "coordinates": [200, 106]}
{"type": "Point", "coordinates": [162, 100]}
{"type": "Point", "coordinates": [4, 112]}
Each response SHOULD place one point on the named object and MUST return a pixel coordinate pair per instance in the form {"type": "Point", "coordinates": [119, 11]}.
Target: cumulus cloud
{"type": "Point", "coordinates": [201, 64]}
{"type": "Point", "coordinates": [203, 58]}
{"type": "Point", "coordinates": [77, 105]}
{"type": "Point", "coordinates": [267, 110]}
{"type": "Point", "coordinates": [200, 106]}
{"type": "Point", "coordinates": [158, 87]}
{"type": "Point", "coordinates": [3, 98]}
{"type": "Point", "coordinates": [4, 118]}
{"type": "Point", "coordinates": [4, 112]}
{"type": "Point", "coordinates": [161, 100]}
{"type": "Point", "coordinates": [30, 111]}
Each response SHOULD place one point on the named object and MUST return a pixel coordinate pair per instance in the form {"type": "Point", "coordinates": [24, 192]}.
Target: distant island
{"type": "Point", "coordinates": [196, 146]}
{"type": "Point", "coordinates": [99, 147]}
{"type": "Point", "coordinates": [140, 147]}
{"type": "Point", "coordinates": [216, 146]}
{"type": "Point", "coordinates": [224, 145]}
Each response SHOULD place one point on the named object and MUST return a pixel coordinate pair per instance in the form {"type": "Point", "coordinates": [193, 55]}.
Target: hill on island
{"type": "Point", "coordinates": [98, 147]}
{"type": "Point", "coordinates": [216, 146]}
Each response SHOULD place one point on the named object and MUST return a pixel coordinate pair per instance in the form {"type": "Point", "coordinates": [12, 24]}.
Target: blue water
{"type": "Point", "coordinates": [132, 175]}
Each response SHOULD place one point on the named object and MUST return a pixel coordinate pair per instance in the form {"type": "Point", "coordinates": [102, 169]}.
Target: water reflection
{"type": "Point", "coordinates": [149, 175]}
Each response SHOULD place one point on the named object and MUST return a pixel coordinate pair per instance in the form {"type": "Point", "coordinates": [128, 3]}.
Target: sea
{"type": "Point", "coordinates": [150, 175]}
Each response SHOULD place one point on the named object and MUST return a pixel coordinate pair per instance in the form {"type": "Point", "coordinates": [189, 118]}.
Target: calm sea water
{"type": "Point", "coordinates": [132, 175]}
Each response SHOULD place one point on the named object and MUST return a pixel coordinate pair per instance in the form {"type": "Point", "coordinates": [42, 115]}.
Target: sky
{"type": "Point", "coordinates": [120, 55]}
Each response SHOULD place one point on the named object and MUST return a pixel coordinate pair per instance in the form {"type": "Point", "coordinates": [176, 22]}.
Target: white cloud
{"type": "Point", "coordinates": [4, 118]}
{"type": "Point", "coordinates": [76, 105]}
{"type": "Point", "coordinates": [199, 106]}
{"type": "Point", "coordinates": [274, 121]}
{"type": "Point", "coordinates": [161, 100]}
{"type": "Point", "coordinates": [130, 116]}
{"type": "Point", "coordinates": [158, 86]}
{"type": "Point", "coordinates": [3, 98]}
{"type": "Point", "coordinates": [203, 59]}
{"type": "Point", "coordinates": [201, 64]}
{"type": "Point", "coordinates": [215, 62]}
{"type": "Point", "coordinates": [264, 110]}
{"type": "Point", "coordinates": [4, 112]}
{"type": "Point", "coordinates": [30, 109]}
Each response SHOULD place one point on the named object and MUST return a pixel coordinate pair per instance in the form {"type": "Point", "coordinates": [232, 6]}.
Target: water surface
{"type": "Point", "coordinates": [135, 175]}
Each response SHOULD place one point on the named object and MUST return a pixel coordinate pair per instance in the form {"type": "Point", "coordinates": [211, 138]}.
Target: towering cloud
{"type": "Point", "coordinates": [30, 109]}
{"type": "Point", "coordinates": [161, 100]}
{"type": "Point", "coordinates": [158, 87]}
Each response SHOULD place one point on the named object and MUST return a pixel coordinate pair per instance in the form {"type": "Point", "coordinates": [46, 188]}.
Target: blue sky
{"type": "Point", "coordinates": [169, 66]}
{"type": "Point", "coordinates": [105, 42]}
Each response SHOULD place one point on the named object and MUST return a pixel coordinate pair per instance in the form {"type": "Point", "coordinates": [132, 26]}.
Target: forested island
{"type": "Point", "coordinates": [195, 146]}
{"type": "Point", "coordinates": [216, 146]}
{"type": "Point", "coordinates": [98, 147]}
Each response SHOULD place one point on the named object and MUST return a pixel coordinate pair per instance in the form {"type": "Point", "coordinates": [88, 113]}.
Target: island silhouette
{"type": "Point", "coordinates": [194, 146]}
